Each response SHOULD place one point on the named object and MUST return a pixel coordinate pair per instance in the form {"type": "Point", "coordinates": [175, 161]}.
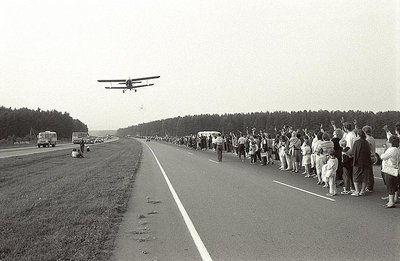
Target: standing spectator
{"type": "Point", "coordinates": [202, 142]}
{"type": "Point", "coordinates": [306, 151]}
{"type": "Point", "coordinates": [82, 145]}
{"type": "Point", "coordinates": [247, 144]}
{"type": "Point", "coordinates": [323, 149]}
{"type": "Point", "coordinates": [314, 144]}
{"type": "Point", "coordinates": [329, 172]}
{"type": "Point", "coordinates": [282, 151]}
{"type": "Point", "coordinates": [289, 151]}
{"type": "Point", "coordinates": [257, 140]}
{"type": "Point", "coordinates": [389, 134]}
{"type": "Point", "coordinates": [347, 163]}
{"type": "Point", "coordinates": [349, 135]}
{"type": "Point", "coordinates": [297, 153]}
{"type": "Point", "coordinates": [219, 142]}
{"type": "Point", "coordinates": [270, 148]}
{"type": "Point", "coordinates": [391, 158]}
{"type": "Point", "coordinates": [275, 147]}
{"type": "Point", "coordinates": [372, 146]}
{"type": "Point", "coordinates": [235, 144]}
{"type": "Point", "coordinates": [361, 163]}
{"type": "Point", "coordinates": [214, 142]}
{"type": "Point", "coordinates": [241, 144]}
{"type": "Point", "coordinates": [253, 152]}
{"type": "Point", "coordinates": [264, 150]}
{"type": "Point", "coordinates": [337, 136]}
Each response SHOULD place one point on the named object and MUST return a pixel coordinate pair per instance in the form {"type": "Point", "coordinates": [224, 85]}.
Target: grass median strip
{"type": "Point", "coordinates": [55, 207]}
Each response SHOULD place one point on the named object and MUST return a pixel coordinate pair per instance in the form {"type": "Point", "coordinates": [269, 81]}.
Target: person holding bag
{"type": "Point", "coordinates": [390, 170]}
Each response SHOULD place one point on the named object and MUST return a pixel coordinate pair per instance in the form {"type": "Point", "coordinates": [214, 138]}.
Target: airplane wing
{"type": "Point", "coordinates": [112, 80]}
{"type": "Point", "coordinates": [136, 79]}
{"type": "Point", "coordinates": [133, 87]}
{"type": "Point", "coordinates": [145, 78]}
{"type": "Point", "coordinates": [132, 82]}
{"type": "Point", "coordinates": [144, 85]}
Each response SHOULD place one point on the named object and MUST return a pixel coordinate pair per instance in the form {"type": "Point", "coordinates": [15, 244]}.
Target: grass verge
{"type": "Point", "coordinates": [54, 207]}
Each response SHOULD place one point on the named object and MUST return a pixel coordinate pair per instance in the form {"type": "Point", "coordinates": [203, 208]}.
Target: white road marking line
{"type": "Point", "coordinates": [193, 232]}
{"type": "Point", "coordinates": [290, 186]}
{"type": "Point", "coordinates": [213, 161]}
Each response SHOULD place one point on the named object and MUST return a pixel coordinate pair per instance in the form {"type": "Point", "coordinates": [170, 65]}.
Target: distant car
{"type": "Point", "coordinates": [147, 139]}
{"type": "Point", "coordinates": [98, 140]}
{"type": "Point", "coordinates": [90, 141]}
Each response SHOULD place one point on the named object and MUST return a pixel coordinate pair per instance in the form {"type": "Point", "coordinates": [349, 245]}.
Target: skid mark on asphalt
{"type": "Point", "coordinates": [192, 230]}
{"type": "Point", "coordinates": [302, 190]}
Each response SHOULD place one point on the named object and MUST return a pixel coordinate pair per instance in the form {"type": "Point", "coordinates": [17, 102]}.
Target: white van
{"type": "Point", "coordinates": [47, 138]}
{"type": "Point", "coordinates": [208, 133]}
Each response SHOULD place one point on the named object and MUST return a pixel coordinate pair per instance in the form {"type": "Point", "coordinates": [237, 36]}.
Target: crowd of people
{"type": "Point", "coordinates": [339, 157]}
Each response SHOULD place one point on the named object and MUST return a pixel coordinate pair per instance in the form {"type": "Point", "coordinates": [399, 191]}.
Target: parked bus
{"type": "Point", "coordinates": [47, 138]}
{"type": "Point", "coordinates": [77, 136]}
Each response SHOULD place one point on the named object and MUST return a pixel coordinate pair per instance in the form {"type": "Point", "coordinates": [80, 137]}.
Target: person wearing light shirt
{"type": "Point", "coordinates": [391, 157]}
{"type": "Point", "coordinates": [241, 144]}
{"type": "Point", "coordinates": [219, 142]}
{"type": "Point", "coordinates": [349, 135]}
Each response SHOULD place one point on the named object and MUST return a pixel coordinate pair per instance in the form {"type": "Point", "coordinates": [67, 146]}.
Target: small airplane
{"type": "Point", "coordinates": [130, 83]}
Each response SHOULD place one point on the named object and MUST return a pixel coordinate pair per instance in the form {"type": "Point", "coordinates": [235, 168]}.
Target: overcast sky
{"type": "Point", "coordinates": [212, 56]}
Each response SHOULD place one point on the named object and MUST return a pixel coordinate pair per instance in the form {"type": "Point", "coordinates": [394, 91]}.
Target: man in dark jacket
{"type": "Point", "coordinates": [361, 163]}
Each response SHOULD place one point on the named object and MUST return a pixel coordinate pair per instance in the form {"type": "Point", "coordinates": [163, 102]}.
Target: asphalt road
{"type": "Point", "coordinates": [28, 150]}
{"type": "Point", "coordinates": [238, 211]}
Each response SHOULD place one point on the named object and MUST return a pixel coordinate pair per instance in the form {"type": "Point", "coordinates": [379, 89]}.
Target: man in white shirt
{"type": "Point", "coordinates": [349, 135]}
{"type": "Point", "coordinates": [241, 143]}
{"type": "Point", "coordinates": [220, 142]}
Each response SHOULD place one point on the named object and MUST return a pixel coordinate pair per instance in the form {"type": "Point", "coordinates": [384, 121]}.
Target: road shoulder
{"type": "Point", "coordinates": [153, 228]}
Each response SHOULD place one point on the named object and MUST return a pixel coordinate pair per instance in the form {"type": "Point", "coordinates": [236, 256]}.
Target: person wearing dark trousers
{"type": "Point", "coordinates": [82, 145]}
{"type": "Point", "coordinates": [361, 163]}
{"type": "Point", "coordinates": [241, 144]}
{"type": "Point", "coordinates": [390, 162]}
{"type": "Point", "coordinates": [370, 176]}
{"type": "Point", "coordinates": [220, 144]}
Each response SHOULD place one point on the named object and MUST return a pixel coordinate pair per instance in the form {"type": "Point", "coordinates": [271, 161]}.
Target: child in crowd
{"type": "Point", "coordinates": [329, 173]}
{"type": "Point", "coordinates": [253, 152]}
{"type": "Point", "coordinates": [306, 151]}
{"type": "Point", "coordinates": [347, 169]}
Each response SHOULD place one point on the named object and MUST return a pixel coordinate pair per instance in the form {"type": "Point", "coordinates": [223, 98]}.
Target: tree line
{"type": "Point", "coordinates": [266, 121]}
{"type": "Point", "coordinates": [26, 123]}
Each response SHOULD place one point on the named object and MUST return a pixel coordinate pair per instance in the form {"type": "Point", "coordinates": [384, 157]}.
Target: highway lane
{"type": "Point", "coordinates": [244, 212]}
{"type": "Point", "coordinates": [22, 151]}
